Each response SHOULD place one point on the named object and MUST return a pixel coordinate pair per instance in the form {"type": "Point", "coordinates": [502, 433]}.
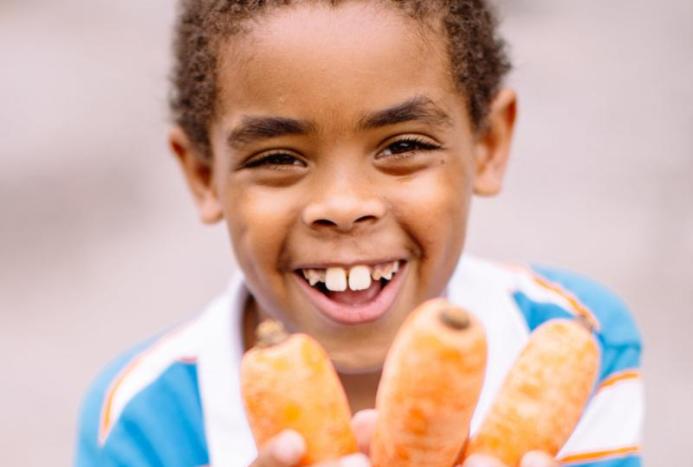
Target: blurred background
{"type": "Point", "coordinates": [100, 246]}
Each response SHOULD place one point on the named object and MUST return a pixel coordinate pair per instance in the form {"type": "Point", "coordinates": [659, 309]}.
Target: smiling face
{"type": "Point", "coordinates": [344, 163]}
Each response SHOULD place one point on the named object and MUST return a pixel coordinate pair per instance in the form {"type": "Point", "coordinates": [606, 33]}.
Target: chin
{"type": "Point", "coordinates": [348, 363]}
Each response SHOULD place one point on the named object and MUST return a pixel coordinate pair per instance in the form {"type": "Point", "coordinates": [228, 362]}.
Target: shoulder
{"type": "Point", "coordinates": [616, 325]}
{"type": "Point", "coordinates": [616, 330]}
{"type": "Point", "coordinates": [609, 431]}
{"type": "Point", "coordinates": [144, 407]}
{"type": "Point", "coordinates": [611, 427]}
{"type": "Point", "coordinates": [541, 293]}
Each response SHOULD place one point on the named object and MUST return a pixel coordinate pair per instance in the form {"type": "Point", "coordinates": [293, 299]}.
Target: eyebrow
{"type": "Point", "coordinates": [258, 128]}
{"type": "Point", "coordinates": [419, 108]}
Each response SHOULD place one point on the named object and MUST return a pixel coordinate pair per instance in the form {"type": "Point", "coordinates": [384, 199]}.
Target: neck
{"type": "Point", "coordinates": [360, 389]}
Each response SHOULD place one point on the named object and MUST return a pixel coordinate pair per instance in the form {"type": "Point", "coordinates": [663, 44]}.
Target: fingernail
{"type": "Point", "coordinates": [478, 460]}
{"type": "Point", "coordinates": [290, 447]}
{"type": "Point", "coordinates": [535, 459]}
{"type": "Point", "coordinates": [365, 415]}
{"type": "Point", "coordinates": [473, 463]}
{"type": "Point", "coordinates": [354, 460]}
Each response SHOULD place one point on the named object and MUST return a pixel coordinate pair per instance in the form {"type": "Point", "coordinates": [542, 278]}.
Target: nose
{"type": "Point", "coordinates": [343, 209]}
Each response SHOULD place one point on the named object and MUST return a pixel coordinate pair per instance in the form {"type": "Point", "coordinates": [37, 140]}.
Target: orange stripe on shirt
{"type": "Point", "coordinates": [599, 455]}
{"type": "Point", "coordinates": [578, 307]}
{"type": "Point", "coordinates": [106, 409]}
{"type": "Point", "coordinates": [617, 377]}
{"type": "Point", "coordinates": [106, 422]}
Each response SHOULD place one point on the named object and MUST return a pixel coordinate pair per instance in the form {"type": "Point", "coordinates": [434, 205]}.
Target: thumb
{"type": "Point", "coordinates": [284, 450]}
{"type": "Point", "coordinates": [363, 425]}
{"type": "Point", "coordinates": [538, 459]}
{"type": "Point", "coordinates": [480, 460]}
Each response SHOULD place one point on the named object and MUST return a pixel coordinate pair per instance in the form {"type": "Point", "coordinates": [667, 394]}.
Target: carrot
{"type": "Point", "coordinates": [543, 395]}
{"type": "Point", "coordinates": [430, 384]}
{"type": "Point", "coordinates": [288, 382]}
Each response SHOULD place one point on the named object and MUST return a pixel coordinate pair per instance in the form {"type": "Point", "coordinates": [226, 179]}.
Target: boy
{"type": "Point", "coordinates": [341, 143]}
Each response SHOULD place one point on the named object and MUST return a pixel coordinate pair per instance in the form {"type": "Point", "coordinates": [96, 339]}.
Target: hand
{"type": "Point", "coordinates": [531, 459]}
{"type": "Point", "coordinates": [288, 447]}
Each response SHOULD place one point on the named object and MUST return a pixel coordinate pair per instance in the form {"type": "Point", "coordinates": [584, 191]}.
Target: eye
{"type": "Point", "coordinates": [277, 160]}
{"type": "Point", "coordinates": [405, 146]}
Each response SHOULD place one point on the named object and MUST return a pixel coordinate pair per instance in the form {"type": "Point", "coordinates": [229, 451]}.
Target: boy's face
{"type": "Point", "coordinates": [340, 141]}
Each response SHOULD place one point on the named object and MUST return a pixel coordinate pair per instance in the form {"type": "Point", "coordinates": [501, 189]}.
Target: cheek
{"type": "Point", "coordinates": [434, 210]}
{"type": "Point", "coordinates": [258, 223]}
{"type": "Point", "coordinates": [256, 218]}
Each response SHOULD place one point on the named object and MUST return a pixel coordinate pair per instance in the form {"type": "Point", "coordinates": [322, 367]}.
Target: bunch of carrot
{"type": "Point", "coordinates": [428, 391]}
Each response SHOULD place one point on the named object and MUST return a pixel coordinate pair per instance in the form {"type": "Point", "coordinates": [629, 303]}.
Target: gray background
{"type": "Point", "coordinates": [100, 246]}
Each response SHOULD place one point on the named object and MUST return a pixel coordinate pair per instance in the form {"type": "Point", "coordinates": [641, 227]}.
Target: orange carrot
{"type": "Point", "coordinates": [543, 395]}
{"type": "Point", "coordinates": [288, 382]}
{"type": "Point", "coordinates": [430, 384]}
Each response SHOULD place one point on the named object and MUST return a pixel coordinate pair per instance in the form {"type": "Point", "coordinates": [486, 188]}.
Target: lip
{"type": "Point", "coordinates": [346, 264]}
{"type": "Point", "coordinates": [359, 314]}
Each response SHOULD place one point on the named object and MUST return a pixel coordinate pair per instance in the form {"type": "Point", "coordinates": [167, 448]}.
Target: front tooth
{"type": "Point", "coordinates": [336, 279]}
{"type": "Point", "coordinates": [359, 278]}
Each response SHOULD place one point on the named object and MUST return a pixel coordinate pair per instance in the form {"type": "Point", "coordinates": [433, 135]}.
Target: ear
{"type": "Point", "coordinates": [493, 144]}
{"type": "Point", "coordinates": [198, 174]}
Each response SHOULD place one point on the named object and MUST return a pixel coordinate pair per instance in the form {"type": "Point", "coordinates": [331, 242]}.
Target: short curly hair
{"type": "Point", "coordinates": [478, 55]}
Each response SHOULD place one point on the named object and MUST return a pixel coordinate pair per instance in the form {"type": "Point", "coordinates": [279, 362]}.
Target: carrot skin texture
{"type": "Point", "coordinates": [293, 385]}
{"type": "Point", "coordinates": [429, 388]}
{"type": "Point", "coordinates": [543, 395]}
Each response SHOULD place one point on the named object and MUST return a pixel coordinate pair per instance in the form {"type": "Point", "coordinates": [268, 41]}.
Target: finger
{"type": "Point", "coordinates": [284, 450]}
{"type": "Point", "coordinates": [363, 425]}
{"type": "Point", "coordinates": [480, 460]}
{"type": "Point", "coordinates": [538, 459]}
{"type": "Point", "coordinates": [353, 460]}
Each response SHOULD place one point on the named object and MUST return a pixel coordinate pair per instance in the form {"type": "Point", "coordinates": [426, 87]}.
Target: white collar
{"type": "Point", "coordinates": [229, 440]}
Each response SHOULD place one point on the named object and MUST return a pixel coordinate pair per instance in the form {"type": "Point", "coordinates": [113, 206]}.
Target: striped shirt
{"type": "Point", "coordinates": [175, 400]}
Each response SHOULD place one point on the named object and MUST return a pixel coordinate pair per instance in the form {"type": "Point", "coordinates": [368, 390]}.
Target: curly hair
{"type": "Point", "coordinates": [478, 57]}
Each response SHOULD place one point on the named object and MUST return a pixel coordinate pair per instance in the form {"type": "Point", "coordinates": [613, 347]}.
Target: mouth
{"type": "Point", "coordinates": [353, 294]}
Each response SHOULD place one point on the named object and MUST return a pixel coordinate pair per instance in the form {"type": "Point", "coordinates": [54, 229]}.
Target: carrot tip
{"type": "Point", "coordinates": [270, 333]}
{"type": "Point", "coordinates": [455, 318]}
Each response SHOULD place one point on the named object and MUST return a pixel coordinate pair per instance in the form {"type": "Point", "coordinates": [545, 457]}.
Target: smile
{"type": "Point", "coordinates": [352, 294]}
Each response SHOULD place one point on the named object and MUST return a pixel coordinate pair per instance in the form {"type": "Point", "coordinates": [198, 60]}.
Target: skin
{"type": "Point", "coordinates": [338, 193]}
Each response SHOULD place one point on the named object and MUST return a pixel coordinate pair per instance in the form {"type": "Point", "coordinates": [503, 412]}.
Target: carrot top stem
{"type": "Point", "coordinates": [455, 318]}
{"type": "Point", "coordinates": [270, 333]}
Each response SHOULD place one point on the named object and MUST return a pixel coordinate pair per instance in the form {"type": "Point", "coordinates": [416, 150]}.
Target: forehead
{"type": "Point", "coordinates": [331, 63]}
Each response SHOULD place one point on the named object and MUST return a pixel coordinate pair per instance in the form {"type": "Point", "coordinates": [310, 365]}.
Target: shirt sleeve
{"type": "Point", "coordinates": [144, 410]}
{"type": "Point", "coordinates": [91, 450]}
